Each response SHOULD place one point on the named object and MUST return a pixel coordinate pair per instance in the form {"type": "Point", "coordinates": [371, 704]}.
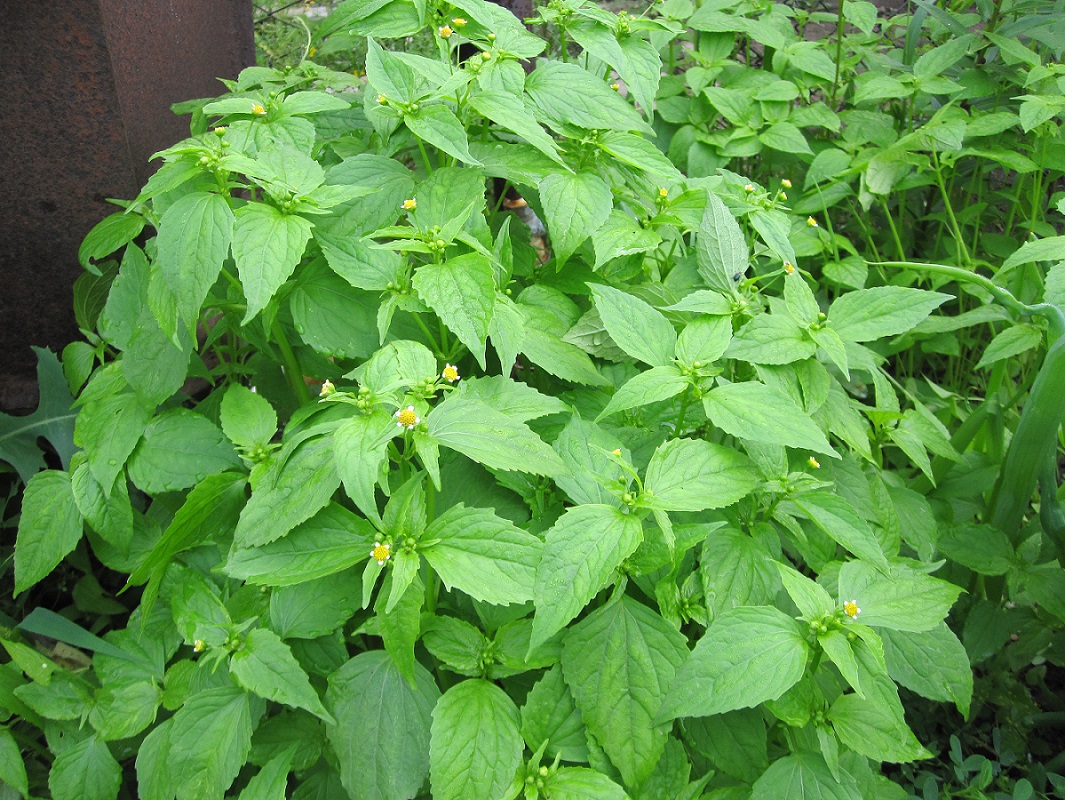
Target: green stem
{"type": "Point", "coordinates": [292, 366]}
{"type": "Point", "coordinates": [428, 335]}
{"type": "Point", "coordinates": [425, 155]}
{"type": "Point", "coordinates": [839, 56]}
{"type": "Point", "coordinates": [959, 238]}
{"type": "Point", "coordinates": [894, 230]}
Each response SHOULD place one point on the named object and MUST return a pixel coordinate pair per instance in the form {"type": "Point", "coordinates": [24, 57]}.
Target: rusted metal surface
{"type": "Point", "coordinates": [86, 94]}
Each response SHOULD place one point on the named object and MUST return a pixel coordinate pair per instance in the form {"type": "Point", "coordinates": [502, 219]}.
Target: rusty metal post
{"type": "Point", "coordinates": [85, 100]}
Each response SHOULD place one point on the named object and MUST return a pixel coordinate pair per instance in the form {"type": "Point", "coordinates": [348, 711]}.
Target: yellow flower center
{"type": "Point", "coordinates": [789, 267]}
{"type": "Point", "coordinates": [814, 462]}
{"type": "Point", "coordinates": [327, 389]}
{"type": "Point", "coordinates": [450, 374]}
{"type": "Point", "coordinates": [811, 222]}
{"type": "Point", "coordinates": [850, 608]}
{"type": "Point", "coordinates": [381, 552]}
{"type": "Point", "coordinates": [786, 183]}
{"type": "Point", "coordinates": [407, 417]}
{"type": "Point", "coordinates": [410, 205]}
{"type": "Point", "coordinates": [458, 22]}
{"type": "Point", "coordinates": [445, 31]}
{"type": "Point", "coordinates": [257, 109]}
{"type": "Point", "coordinates": [663, 192]}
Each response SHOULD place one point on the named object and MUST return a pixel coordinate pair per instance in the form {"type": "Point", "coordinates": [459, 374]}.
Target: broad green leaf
{"type": "Point", "coordinates": [585, 449]}
{"type": "Point", "coordinates": [390, 75]}
{"type": "Point", "coordinates": [462, 292]}
{"type": "Point", "coordinates": [399, 617]}
{"type": "Point", "coordinates": [178, 450]}
{"type": "Point", "coordinates": [578, 783]}
{"type": "Point", "coordinates": [759, 413]}
{"type": "Point", "coordinates": [868, 314]}
{"type": "Point", "coordinates": [810, 597]}
{"type": "Point", "coordinates": [564, 94]}
{"type": "Point", "coordinates": [838, 518]}
{"type": "Point", "coordinates": [107, 236]}
{"type": "Point", "coordinates": [311, 102]}
{"type": "Point", "coordinates": [621, 235]}
{"type": "Point", "coordinates": [511, 36]}
{"type": "Point", "coordinates": [507, 330]}
{"type": "Point", "coordinates": [12, 767]}
{"type": "Point", "coordinates": [774, 226]}
{"type": "Point", "coordinates": [209, 742]}
{"type": "Point", "coordinates": [786, 138]}
{"type": "Point", "coordinates": [642, 154]}
{"type": "Point", "coordinates": [381, 738]}
{"type": "Point", "coordinates": [875, 725]}
{"type": "Point", "coordinates": [267, 246]}
{"type": "Point", "coordinates": [457, 644]}
{"type": "Point", "coordinates": [490, 437]}
{"type": "Point", "coordinates": [903, 600]}
{"type": "Point", "coordinates": [438, 125]}
{"type": "Point", "coordinates": [644, 388]}
{"type": "Point", "coordinates": [734, 741]}
{"type": "Point", "coordinates": [575, 206]}
{"type": "Point", "coordinates": [549, 715]}
{"type": "Point", "coordinates": [1011, 342]}
{"type": "Point", "coordinates": [513, 398]}
{"type": "Point", "coordinates": [721, 247]}
{"type": "Point", "coordinates": [271, 782]}
{"type": "Point", "coordinates": [333, 317]}
{"type": "Point", "coordinates": [981, 548]}
{"type": "Point", "coordinates": [210, 513]}
{"type": "Point", "coordinates": [360, 445]}
{"type": "Point", "coordinates": [581, 552]}
{"type": "Point", "coordinates": [476, 748]}
{"type": "Point", "coordinates": [637, 328]}
{"type": "Point", "coordinates": [558, 357]}
{"type": "Point", "coordinates": [317, 607]}
{"type": "Point", "coordinates": [939, 59]}
{"type": "Point", "coordinates": [85, 771]}
{"type": "Point", "coordinates": [932, 663]}
{"type": "Point", "coordinates": [704, 340]}
{"type": "Point", "coordinates": [248, 419]}
{"type": "Point", "coordinates": [446, 193]}
{"type": "Point", "coordinates": [194, 237]}
{"type": "Point", "coordinates": [362, 266]}
{"type": "Point", "coordinates": [53, 419]}
{"type": "Point", "coordinates": [507, 110]}
{"type": "Point", "coordinates": [736, 570]}
{"type": "Point", "coordinates": [804, 775]}
{"type": "Point", "coordinates": [292, 490]}
{"type": "Point", "coordinates": [110, 423]}
{"type": "Point", "coordinates": [1051, 248]}
{"type": "Point", "coordinates": [330, 541]}
{"type": "Point", "coordinates": [747, 656]}
{"type": "Point", "coordinates": [771, 339]}
{"type": "Point", "coordinates": [152, 363]}
{"type": "Point", "coordinates": [264, 665]}
{"type": "Point", "coordinates": [694, 475]}
{"type": "Point", "coordinates": [50, 527]}
{"type": "Point", "coordinates": [618, 663]}
{"type": "Point", "coordinates": [397, 365]}
{"type": "Point", "coordinates": [483, 555]}
{"type": "Point", "coordinates": [111, 517]}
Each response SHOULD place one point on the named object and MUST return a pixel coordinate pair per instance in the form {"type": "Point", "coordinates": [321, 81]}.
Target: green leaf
{"type": "Point", "coordinates": [85, 771]}
{"type": "Point", "coordinates": [932, 663]}
{"type": "Point", "coordinates": [107, 235]}
{"type": "Point", "coordinates": [736, 570]}
{"type": "Point", "coordinates": [53, 420]}
{"type": "Point", "coordinates": [476, 748]}
{"type": "Point", "coordinates": [549, 715]}
{"type": "Point", "coordinates": [786, 138]}
{"type": "Point", "coordinates": [397, 364]}
{"type": "Point", "coordinates": [584, 448]}
{"type": "Point", "coordinates": [747, 656]}
{"type": "Point", "coordinates": [209, 742]}
{"type": "Point", "coordinates": [194, 238]}
{"type": "Point", "coordinates": [637, 328]}
{"type": "Point", "coordinates": [271, 782]}
{"type": "Point", "coordinates": [774, 227]}
{"type": "Point", "coordinates": [804, 775]}
{"type": "Point", "coordinates": [110, 423]}
{"type": "Point", "coordinates": [490, 437]}
{"type": "Point", "coordinates": [297, 484]}
{"type": "Point", "coordinates": [836, 517]}
{"type": "Point", "coordinates": [693, 475]}
{"type": "Point", "coordinates": [1051, 248]}
{"type": "Point", "coordinates": [721, 248]}
{"type": "Point", "coordinates": [399, 617]}
{"type": "Point", "coordinates": [507, 110]}
{"type": "Point", "coordinates": [513, 398]}
{"type": "Point", "coordinates": [618, 663]}
{"type": "Point", "coordinates": [981, 548]}
{"type": "Point", "coordinates": [704, 340]}
{"type": "Point", "coordinates": [558, 357]}
{"type": "Point", "coordinates": [50, 527]}
{"type": "Point", "coordinates": [457, 644]}
{"type": "Point", "coordinates": [310, 102]}
{"type": "Point", "coordinates": [760, 413]}
{"type": "Point", "coordinates": [264, 665]}
{"type": "Point", "coordinates": [581, 552]}
{"type": "Point", "coordinates": [564, 94]}
{"type": "Point", "coordinates": [178, 450]}
{"type": "Point", "coordinates": [152, 363]}
{"type": "Point", "coordinates": [462, 292]}
{"type": "Point", "coordinates": [360, 445]}
{"type": "Point", "coordinates": [438, 125]}
{"type": "Point", "coordinates": [12, 767]}
{"type": "Point", "coordinates": [621, 235]}
{"type": "Point", "coordinates": [111, 517]}
{"type": "Point", "coordinates": [1017, 339]}
{"type": "Point", "coordinates": [903, 600]}
{"type": "Point", "coordinates": [333, 317]}
{"type": "Point", "coordinates": [939, 59]}
{"type": "Point", "coordinates": [391, 76]}
{"type": "Point", "coordinates": [267, 246]}
{"type": "Point", "coordinates": [381, 738]}
{"type": "Point", "coordinates": [575, 206]}
{"type": "Point", "coordinates": [644, 388]}
{"type": "Point", "coordinates": [247, 418]}
{"type": "Point", "coordinates": [771, 339]}
{"type": "Point", "coordinates": [868, 314]}
{"type": "Point", "coordinates": [734, 741]}
{"type": "Point", "coordinates": [640, 153]}
{"type": "Point", "coordinates": [483, 555]}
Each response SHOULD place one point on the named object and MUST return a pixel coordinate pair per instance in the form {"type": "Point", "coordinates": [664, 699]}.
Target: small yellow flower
{"type": "Point", "coordinates": [813, 462]}
{"type": "Point", "coordinates": [382, 99]}
{"type": "Point", "coordinates": [616, 451]}
{"type": "Point", "coordinates": [445, 31]}
{"type": "Point", "coordinates": [748, 187]}
{"type": "Point", "coordinates": [811, 222]}
{"type": "Point", "coordinates": [615, 86]}
{"type": "Point", "coordinates": [312, 51]}
{"type": "Point", "coordinates": [199, 646]}
{"type": "Point", "coordinates": [450, 373]}
{"type": "Point", "coordinates": [663, 192]}
{"type": "Point", "coordinates": [786, 183]}
{"type": "Point", "coordinates": [327, 388]}
{"type": "Point", "coordinates": [783, 195]}
{"type": "Point", "coordinates": [381, 552]}
{"type": "Point", "coordinates": [850, 608]}
{"type": "Point", "coordinates": [257, 109]}
{"type": "Point", "coordinates": [789, 268]}
{"type": "Point", "coordinates": [407, 418]}
{"type": "Point", "coordinates": [459, 22]}
{"type": "Point", "coordinates": [410, 204]}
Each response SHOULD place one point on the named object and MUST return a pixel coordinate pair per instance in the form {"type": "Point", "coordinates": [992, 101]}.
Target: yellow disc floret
{"type": "Point", "coordinates": [850, 608]}
{"type": "Point", "coordinates": [445, 31]}
{"type": "Point", "coordinates": [407, 417]}
{"type": "Point", "coordinates": [409, 204]}
{"type": "Point", "coordinates": [257, 109]}
{"type": "Point", "coordinates": [381, 552]}
{"type": "Point", "coordinates": [450, 373]}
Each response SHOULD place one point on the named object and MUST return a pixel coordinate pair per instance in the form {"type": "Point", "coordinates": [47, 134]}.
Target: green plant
{"type": "Point", "coordinates": [655, 516]}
